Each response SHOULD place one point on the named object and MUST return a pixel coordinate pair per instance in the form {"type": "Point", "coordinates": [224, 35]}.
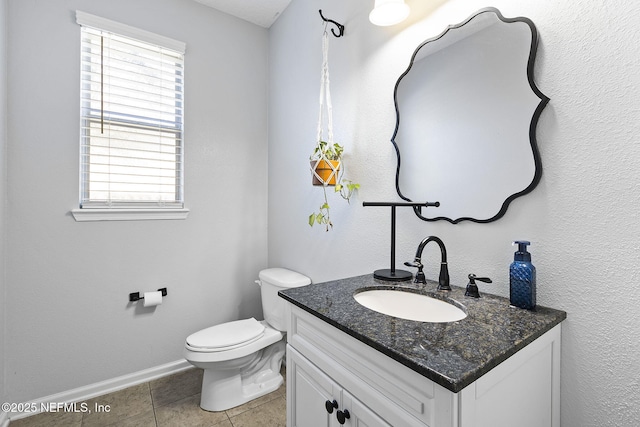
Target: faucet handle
{"type": "Point", "coordinates": [472, 288]}
{"type": "Point", "coordinates": [473, 278]}
{"type": "Point", "coordinates": [420, 277]}
{"type": "Point", "coordinates": [416, 264]}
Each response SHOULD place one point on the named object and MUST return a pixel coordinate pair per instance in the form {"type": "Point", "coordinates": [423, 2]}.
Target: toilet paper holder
{"type": "Point", "coordinates": [135, 296]}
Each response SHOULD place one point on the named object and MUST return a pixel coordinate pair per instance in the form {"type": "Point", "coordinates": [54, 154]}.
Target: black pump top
{"type": "Point", "coordinates": [522, 254]}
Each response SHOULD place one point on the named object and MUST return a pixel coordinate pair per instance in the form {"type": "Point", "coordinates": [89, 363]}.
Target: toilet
{"type": "Point", "coordinates": [242, 359]}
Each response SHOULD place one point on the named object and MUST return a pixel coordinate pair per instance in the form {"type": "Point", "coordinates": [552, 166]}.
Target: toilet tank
{"type": "Point", "coordinates": [271, 281]}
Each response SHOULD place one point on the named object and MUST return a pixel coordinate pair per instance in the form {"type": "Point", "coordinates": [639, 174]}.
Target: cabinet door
{"type": "Point", "coordinates": [308, 390]}
{"type": "Point", "coordinates": [360, 415]}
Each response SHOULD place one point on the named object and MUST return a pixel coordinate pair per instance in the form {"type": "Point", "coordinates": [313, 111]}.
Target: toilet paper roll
{"type": "Point", "coordinates": [151, 299]}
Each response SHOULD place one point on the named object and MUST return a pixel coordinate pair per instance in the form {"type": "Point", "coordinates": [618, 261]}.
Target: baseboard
{"type": "Point", "coordinates": [98, 389]}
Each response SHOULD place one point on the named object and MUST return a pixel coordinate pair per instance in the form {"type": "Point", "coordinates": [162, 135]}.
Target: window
{"type": "Point", "coordinates": [131, 126]}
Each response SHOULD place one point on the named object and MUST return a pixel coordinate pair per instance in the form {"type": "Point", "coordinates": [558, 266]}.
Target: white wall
{"type": "Point", "coordinates": [68, 319]}
{"type": "Point", "coordinates": [582, 218]}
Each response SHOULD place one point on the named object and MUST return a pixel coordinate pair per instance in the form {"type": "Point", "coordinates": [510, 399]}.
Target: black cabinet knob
{"type": "Point", "coordinates": [330, 406]}
{"type": "Point", "coordinates": [343, 416]}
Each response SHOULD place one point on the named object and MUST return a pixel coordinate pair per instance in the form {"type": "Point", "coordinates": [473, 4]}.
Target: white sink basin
{"type": "Point", "coordinates": [409, 305]}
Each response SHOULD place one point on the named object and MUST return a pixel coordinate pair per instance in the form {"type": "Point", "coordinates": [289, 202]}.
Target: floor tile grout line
{"type": "Point", "coordinates": [153, 405]}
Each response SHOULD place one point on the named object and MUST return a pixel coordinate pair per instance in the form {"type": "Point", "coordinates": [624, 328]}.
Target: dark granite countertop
{"type": "Point", "coordinates": [451, 354]}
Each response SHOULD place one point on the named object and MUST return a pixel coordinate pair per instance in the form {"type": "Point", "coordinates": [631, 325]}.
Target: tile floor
{"type": "Point", "coordinates": [169, 401]}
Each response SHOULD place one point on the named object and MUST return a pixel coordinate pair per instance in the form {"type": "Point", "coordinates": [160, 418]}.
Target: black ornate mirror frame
{"type": "Point", "coordinates": [532, 127]}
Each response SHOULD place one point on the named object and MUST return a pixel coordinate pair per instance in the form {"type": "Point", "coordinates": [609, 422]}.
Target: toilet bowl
{"type": "Point", "coordinates": [242, 359]}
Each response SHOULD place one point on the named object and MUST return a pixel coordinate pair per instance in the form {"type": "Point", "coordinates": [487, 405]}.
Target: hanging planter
{"type": "Point", "coordinates": [326, 159]}
{"type": "Point", "coordinates": [325, 163]}
{"type": "Point", "coordinates": [325, 172]}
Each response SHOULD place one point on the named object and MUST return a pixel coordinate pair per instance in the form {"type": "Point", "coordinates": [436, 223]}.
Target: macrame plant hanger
{"type": "Point", "coordinates": [324, 147]}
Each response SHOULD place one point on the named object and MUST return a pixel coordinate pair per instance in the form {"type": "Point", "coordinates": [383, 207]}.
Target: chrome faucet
{"type": "Point", "coordinates": [443, 281]}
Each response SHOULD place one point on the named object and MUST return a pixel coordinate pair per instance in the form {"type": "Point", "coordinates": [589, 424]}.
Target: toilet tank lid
{"type": "Point", "coordinates": [284, 278]}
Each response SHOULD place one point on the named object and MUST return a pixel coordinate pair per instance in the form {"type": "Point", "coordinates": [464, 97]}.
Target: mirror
{"type": "Point", "coordinates": [466, 115]}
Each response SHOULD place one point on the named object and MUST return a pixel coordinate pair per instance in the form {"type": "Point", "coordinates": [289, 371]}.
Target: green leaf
{"type": "Point", "coordinates": [312, 218]}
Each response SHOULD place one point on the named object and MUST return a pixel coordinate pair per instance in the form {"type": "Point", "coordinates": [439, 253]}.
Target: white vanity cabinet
{"type": "Point", "coordinates": [326, 364]}
{"type": "Point", "coordinates": [321, 402]}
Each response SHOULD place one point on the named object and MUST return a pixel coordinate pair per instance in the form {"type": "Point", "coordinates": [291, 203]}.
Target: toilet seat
{"type": "Point", "coordinates": [226, 336]}
{"type": "Point", "coordinates": [199, 354]}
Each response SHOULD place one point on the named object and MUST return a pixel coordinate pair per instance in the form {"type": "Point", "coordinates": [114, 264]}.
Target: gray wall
{"type": "Point", "coordinates": [68, 319]}
{"type": "Point", "coordinates": [582, 219]}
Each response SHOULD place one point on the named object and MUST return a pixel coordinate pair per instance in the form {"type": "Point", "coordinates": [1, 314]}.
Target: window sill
{"type": "Point", "coordinates": [82, 215]}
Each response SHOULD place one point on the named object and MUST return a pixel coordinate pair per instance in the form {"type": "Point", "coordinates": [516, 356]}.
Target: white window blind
{"type": "Point", "coordinates": [131, 131]}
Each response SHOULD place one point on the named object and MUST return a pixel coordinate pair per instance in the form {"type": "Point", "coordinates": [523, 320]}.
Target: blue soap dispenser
{"type": "Point", "coordinates": [522, 278]}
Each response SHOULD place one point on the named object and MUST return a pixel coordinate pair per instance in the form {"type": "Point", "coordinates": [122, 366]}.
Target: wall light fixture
{"type": "Point", "coordinates": [388, 12]}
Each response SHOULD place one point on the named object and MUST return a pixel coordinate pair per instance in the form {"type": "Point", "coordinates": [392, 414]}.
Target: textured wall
{"type": "Point", "coordinates": [68, 319]}
{"type": "Point", "coordinates": [582, 218]}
